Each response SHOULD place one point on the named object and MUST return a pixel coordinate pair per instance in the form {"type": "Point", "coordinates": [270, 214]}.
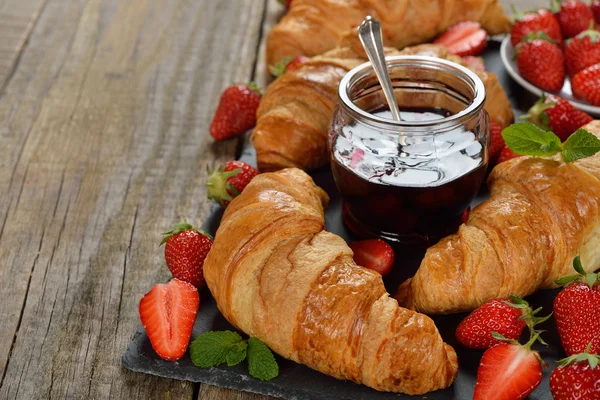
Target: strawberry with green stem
{"type": "Point", "coordinates": [541, 62]}
{"type": "Point", "coordinates": [287, 64]}
{"type": "Point", "coordinates": [228, 180]}
{"type": "Point", "coordinates": [582, 51]}
{"type": "Point", "coordinates": [236, 112]}
{"type": "Point", "coordinates": [534, 21]}
{"type": "Point", "coordinates": [556, 114]}
{"type": "Point", "coordinates": [576, 377]}
{"type": "Point", "coordinates": [577, 311]}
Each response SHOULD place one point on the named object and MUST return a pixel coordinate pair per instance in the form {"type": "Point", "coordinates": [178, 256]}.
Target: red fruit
{"type": "Point", "coordinates": [168, 312]}
{"type": "Point", "coordinates": [287, 64]}
{"type": "Point", "coordinates": [185, 250]}
{"type": "Point", "coordinates": [507, 372]}
{"type": "Point", "coordinates": [557, 115]}
{"type": "Point", "coordinates": [577, 312]}
{"type": "Point", "coordinates": [507, 154]}
{"type": "Point", "coordinates": [374, 254]}
{"type": "Point", "coordinates": [229, 180]}
{"type": "Point", "coordinates": [474, 63]}
{"type": "Point", "coordinates": [496, 142]}
{"type": "Point", "coordinates": [541, 62]}
{"type": "Point", "coordinates": [236, 112]}
{"type": "Point", "coordinates": [498, 315]}
{"type": "Point", "coordinates": [596, 9]}
{"type": "Point", "coordinates": [586, 84]}
{"type": "Point", "coordinates": [577, 377]}
{"type": "Point", "coordinates": [464, 39]}
{"type": "Point", "coordinates": [532, 22]}
{"type": "Point", "coordinates": [574, 17]}
{"type": "Point", "coordinates": [286, 3]}
{"type": "Point", "coordinates": [582, 51]}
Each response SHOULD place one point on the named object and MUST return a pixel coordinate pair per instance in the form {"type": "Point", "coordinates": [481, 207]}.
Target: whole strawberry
{"type": "Point", "coordinates": [557, 115]}
{"type": "Point", "coordinates": [577, 377]}
{"type": "Point", "coordinates": [582, 51]}
{"type": "Point", "coordinates": [506, 154]}
{"type": "Point", "coordinates": [287, 64]}
{"type": "Point", "coordinates": [540, 61]}
{"type": "Point", "coordinates": [586, 84]}
{"type": "Point", "coordinates": [236, 112]}
{"type": "Point", "coordinates": [185, 250]}
{"type": "Point", "coordinates": [229, 180]}
{"type": "Point", "coordinates": [577, 311]}
{"type": "Point", "coordinates": [574, 17]}
{"type": "Point", "coordinates": [496, 142]}
{"type": "Point", "coordinates": [505, 316]}
{"type": "Point", "coordinates": [532, 22]}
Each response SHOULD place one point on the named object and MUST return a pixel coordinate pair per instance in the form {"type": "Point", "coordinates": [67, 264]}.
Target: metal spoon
{"type": "Point", "coordinates": [369, 33]}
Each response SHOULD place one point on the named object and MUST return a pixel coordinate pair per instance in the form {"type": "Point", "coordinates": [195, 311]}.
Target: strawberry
{"type": "Point", "coordinates": [541, 62]}
{"type": "Point", "coordinates": [506, 154]}
{"type": "Point", "coordinates": [236, 112]}
{"type": "Point", "coordinates": [286, 3]}
{"type": "Point", "coordinates": [168, 312]}
{"type": "Point", "coordinates": [287, 64]}
{"type": "Point", "coordinates": [508, 371]}
{"type": "Point", "coordinates": [505, 316]}
{"type": "Point", "coordinates": [185, 250]}
{"type": "Point", "coordinates": [496, 142]}
{"type": "Point", "coordinates": [557, 115]}
{"type": "Point", "coordinates": [577, 377]}
{"type": "Point", "coordinates": [586, 84]}
{"type": "Point", "coordinates": [464, 39]}
{"type": "Point", "coordinates": [474, 63]}
{"type": "Point", "coordinates": [229, 180]}
{"type": "Point", "coordinates": [574, 17]}
{"type": "Point", "coordinates": [582, 51]}
{"type": "Point", "coordinates": [374, 254]}
{"type": "Point", "coordinates": [532, 22]}
{"type": "Point", "coordinates": [596, 9]}
{"type": "Point", "coordinates": [577, 311]}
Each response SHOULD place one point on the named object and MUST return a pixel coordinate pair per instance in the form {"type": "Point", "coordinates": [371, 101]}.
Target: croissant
{"type": "Point", "coordinates": [541, 214]}
{"type": "Point", "coordinates": [277, 275]}
{"type": "Point", "coordinates": [295, 112]}
{"type": "Point", "coordinates": [312, 27]}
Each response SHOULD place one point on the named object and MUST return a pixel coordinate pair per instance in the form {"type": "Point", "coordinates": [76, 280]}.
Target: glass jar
{"type": "Point", "coordinates": [409, 181]}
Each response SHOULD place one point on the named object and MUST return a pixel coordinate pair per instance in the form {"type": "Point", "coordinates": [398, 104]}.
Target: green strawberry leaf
{"type": "Point", "coordinates": [528, 139]}
{"type": "Point", "coordinates": [261, 362]}
{"type": "Point", "coordinates": [212, 348]}
{"type": "Point", "coordinates": [580, 144]}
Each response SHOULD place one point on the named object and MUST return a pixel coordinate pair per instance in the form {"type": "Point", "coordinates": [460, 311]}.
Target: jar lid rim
{"type": "Point", "coordinates": [423, 61]}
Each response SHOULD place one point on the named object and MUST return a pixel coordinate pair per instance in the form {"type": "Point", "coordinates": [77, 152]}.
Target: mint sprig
{"type": "Point", "coordinates": [214, 348]}
{"type": "Point", "coordinates": [528, 139]}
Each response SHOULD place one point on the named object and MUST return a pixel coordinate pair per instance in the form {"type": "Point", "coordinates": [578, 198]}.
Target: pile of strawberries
{"type": "Point", "coordinates": [509, 370]}
{"type": "Point", "coordinates": [551, 44]}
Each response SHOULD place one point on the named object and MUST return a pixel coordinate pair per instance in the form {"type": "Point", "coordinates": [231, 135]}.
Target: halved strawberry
{"type": "Point", "coordinates": [464, 39]}
{"type": "Point", "coordinates": [168, 313]}
{"type": "Point", "coordinates": [374, 254]}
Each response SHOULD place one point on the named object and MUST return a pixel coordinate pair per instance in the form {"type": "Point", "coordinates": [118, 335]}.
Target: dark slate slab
{"type": "Point", "coordinates": [296, 381]}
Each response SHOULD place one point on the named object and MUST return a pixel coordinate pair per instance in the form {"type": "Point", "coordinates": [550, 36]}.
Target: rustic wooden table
{"type": "Point", "coordinates": [104, 114]}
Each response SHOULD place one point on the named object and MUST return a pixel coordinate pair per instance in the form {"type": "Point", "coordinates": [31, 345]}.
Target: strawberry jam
{"type": "Point", "coordinates": [409, 189]}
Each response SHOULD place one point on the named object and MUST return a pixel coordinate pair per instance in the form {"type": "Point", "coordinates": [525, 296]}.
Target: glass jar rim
{"type": "Point", "coordinates": [434, 63]}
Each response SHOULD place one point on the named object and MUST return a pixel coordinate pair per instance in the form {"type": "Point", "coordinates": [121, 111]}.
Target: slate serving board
{"type": "Point", "coordinates": [296, 381]}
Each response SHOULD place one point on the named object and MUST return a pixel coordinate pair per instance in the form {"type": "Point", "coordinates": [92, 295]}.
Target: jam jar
{"type": "Point", "coordinates": [409, 181]}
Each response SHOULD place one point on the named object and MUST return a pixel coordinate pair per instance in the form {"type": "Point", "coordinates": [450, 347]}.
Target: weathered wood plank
{"type": "Point", "coordinates": [17, 19]}
{"type": "Point", "coordinates": [104, 145]}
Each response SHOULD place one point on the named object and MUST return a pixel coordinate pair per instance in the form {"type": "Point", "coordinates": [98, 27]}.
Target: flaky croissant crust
{"type": "Point", "coordinates": [541, 214]}
{"type": "Point", "coordinates": [278, 275]}
{"type": "Point", "coordinates": [312, 27]}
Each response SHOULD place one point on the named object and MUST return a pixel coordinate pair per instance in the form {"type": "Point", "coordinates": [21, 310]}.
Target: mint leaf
{"type": "Point", "coordinates": [212, 348]}
{"type": "Point", "coordinates": [261, 362]}
{"type": "Point", "coordinates": [580, 144]}
{"type": "Point", "coordinates": [528, 139]}
{"type": "Point", "coordinates": [237, 354]}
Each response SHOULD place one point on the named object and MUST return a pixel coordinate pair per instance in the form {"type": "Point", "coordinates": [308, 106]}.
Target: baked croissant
{"type": "Point", "coordinates": [295, 112]}
{"type": "Point", "coordinates": [541, 214]}
{"type": "Point", "coordinates": [312, 27]}
{"type": "Point", "coordinates": [277, 275]}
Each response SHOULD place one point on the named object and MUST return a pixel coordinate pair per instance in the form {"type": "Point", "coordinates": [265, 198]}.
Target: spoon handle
{"type": "Point", "coordinates": [369, 33]}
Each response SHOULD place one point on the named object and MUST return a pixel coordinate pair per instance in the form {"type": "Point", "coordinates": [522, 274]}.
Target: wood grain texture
{"type": "Point", "coordinates": [104, 145]}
